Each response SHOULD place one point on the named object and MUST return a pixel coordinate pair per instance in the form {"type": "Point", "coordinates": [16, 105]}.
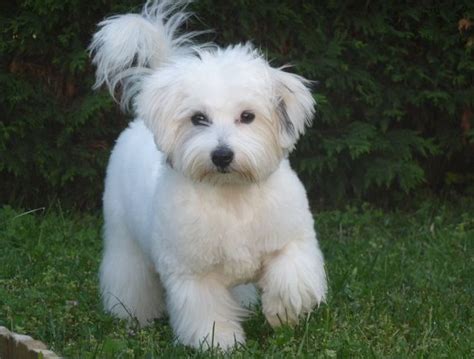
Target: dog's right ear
{"type": "Point", "coordinates": [128, 47]}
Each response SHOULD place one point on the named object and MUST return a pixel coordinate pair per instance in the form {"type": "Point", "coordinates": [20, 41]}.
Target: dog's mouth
{"type": "Point", "coordinates": [227, 175]}
{"type": "Point", "coordinates": [223, 169]}
{"type": "Point", "coordinates": [239, 174]}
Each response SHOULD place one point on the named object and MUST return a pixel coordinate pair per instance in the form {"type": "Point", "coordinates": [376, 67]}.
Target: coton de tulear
{"type": "Point", "coordinates": [201, 205]}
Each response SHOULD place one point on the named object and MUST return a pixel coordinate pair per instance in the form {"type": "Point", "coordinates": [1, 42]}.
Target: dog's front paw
{"type": "Point", "coordinates": [203, 313]}
{"type": "Point", "coordinates": [224, 336]}
{"type": "Point", "coordinates": [285, 306]}
{"type": "Point", "coordinates": [277, 312]}
{"type": "Point", "coordinates": [293, 283]}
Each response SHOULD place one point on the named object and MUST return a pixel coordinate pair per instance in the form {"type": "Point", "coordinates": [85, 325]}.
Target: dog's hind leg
{"type": "Point", "coordinates": [130, 286]}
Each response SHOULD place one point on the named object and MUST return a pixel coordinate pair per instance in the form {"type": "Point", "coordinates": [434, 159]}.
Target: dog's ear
{"type": "Point", "coordinates": [294, 106]}
{"type": "Point", "coordinates": [156, 105]}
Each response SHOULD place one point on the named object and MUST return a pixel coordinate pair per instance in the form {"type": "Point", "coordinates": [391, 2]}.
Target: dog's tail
{"type": "Point", "coordinates": [127, 47]}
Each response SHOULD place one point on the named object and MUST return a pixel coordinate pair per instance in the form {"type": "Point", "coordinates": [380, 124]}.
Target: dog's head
{"type": "Point", "coordinates": [219, 115]}
{"type": "Point", "coordinates": [224, 115]}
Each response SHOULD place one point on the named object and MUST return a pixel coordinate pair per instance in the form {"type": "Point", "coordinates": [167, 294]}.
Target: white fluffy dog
{"type": "Point", "coordinates": [200, 201]}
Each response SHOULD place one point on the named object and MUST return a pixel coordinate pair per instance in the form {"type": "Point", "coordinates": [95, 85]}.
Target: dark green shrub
{"type": "Point", "coordinates": [395, 80]}
{"type": "Point", "coordinates": [395, 92]}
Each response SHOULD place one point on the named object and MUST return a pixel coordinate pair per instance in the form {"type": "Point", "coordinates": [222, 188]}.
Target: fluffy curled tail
{"type": "Point", "coordinates": [127, 47]}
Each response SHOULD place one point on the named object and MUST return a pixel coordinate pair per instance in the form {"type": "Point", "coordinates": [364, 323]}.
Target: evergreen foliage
{"type": "Point", "coordinates": [395, 93]}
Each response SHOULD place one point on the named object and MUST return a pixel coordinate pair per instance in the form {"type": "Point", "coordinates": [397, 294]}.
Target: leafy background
{"type": "Point", "coordinates": [395, 93]}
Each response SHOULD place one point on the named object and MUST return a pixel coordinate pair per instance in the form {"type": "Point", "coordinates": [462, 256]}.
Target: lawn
{"type": "Point", "coordinates": [401, 285]}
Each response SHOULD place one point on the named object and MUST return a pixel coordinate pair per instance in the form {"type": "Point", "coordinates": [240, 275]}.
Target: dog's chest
{"type": "Point", "coordinates": [227, 235]}
{"type": "Point", "coordinates": [236, 252]}
{"type": "Point", "coordinates": [230, 239]}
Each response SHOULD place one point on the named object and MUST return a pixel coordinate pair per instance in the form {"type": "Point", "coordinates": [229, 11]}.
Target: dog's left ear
{"type": "Point", "coordinates": [294, 106]}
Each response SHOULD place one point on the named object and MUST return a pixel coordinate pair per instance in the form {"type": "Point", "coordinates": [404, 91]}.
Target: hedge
{"type": "Point", "coordinates": [394, 90]}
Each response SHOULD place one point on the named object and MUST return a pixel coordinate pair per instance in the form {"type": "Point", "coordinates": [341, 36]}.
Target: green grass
{"type": "Point", "coordinates": [401, 285]}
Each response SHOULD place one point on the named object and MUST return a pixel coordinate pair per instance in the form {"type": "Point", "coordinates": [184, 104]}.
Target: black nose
{"type": "Point", "coordinates": [222, 156]}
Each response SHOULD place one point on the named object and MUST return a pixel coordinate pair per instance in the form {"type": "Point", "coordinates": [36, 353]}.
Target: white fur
{"type": "Point", "coordinates": [181, 236]}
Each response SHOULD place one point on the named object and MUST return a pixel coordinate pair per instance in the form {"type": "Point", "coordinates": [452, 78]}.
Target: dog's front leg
{"type": "Point", "coordinates": [293, 282]}
{"type": "Point", "coordinates": [203, 313]}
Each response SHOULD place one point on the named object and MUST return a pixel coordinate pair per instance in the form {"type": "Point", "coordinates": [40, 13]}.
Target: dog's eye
{"type": "Point", "coordinates": [199, 119]}
{"type": "Point", "coordinates": [247, 117]}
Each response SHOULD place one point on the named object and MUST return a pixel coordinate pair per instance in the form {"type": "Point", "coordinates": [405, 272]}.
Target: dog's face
{"type": "Point", "coordinates": [224, 116]}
